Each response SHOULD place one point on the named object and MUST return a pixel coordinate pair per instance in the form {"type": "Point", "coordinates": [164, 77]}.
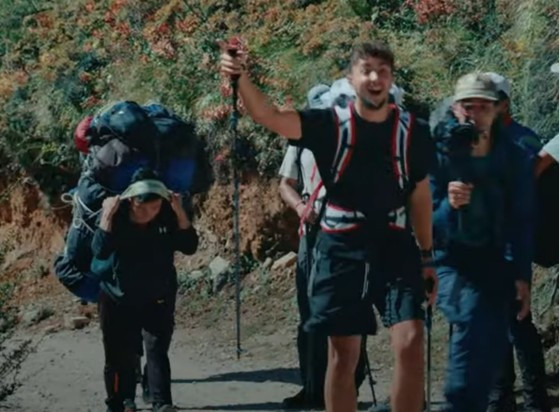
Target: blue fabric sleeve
{"type": "Point", "coordinates": [102, 244]}
{"type": "Point", "coordinates": [442, 211]}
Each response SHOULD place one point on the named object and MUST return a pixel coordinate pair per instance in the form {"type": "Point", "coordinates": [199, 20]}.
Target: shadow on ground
{"type": "Point", "coordinates": [284, 375]}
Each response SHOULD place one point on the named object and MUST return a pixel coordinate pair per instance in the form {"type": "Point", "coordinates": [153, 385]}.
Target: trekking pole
{"type": "Point", "coordinates": [369, 372]}
{"type": "Point", "coordinates": [232, 48]}
{"type": "Point", "coordinates": [428, 325]}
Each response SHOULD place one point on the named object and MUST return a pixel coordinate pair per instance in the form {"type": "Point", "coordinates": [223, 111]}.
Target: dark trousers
{"type": "Point", "coordinates": [475, 295]}
{"type": "Point", "coordinates": [121, 326]}
{"type": "Point", "coordinates": [313, 347]}
{"type": "Point", "coordinates": [527, 342]}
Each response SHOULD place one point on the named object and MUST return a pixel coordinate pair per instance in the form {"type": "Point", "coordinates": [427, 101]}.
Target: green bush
{"type": "Point", "coordinates": [65, 59]}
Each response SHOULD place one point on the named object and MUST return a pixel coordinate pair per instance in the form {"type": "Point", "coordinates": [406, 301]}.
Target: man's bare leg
{"type": "Point", "coordinates": [340, 394]}
{"type": "Point", "coordinates": [407, 382]}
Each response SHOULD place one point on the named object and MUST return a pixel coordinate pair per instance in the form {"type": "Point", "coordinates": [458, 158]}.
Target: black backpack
{"type": "Point", "coordinates": [546, 251]}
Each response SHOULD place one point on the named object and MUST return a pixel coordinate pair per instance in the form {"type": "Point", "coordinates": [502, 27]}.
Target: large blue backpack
{"type": "Point", "coordinates": [121, 139]}
{"type": "Point", "coordinates": [126, 136]}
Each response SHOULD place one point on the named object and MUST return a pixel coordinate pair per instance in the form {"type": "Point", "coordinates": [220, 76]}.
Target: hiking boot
{"type": "Point", "coordinates": [115, 406]}
{"type": "Point", "coordinates": [129, 406]}
{"type": "Point", "coordinates": [299, 402]}
{"type": "Point", "coordinates": [164, 408]}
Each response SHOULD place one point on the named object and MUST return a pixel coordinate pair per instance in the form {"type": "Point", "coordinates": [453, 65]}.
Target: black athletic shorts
{"type": "Point", "coordinates": [345, 283]}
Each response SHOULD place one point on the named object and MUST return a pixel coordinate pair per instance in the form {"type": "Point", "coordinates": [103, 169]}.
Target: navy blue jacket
{"type": "Point", "coordinates": [512, 190]}
{"type": "Point", "coordinates": [522, 135]}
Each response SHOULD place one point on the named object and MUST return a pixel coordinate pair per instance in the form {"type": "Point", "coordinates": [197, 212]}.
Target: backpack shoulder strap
{"type": "Point", "coordinates": [401, 139]}
{"type": "Point", "coordinates": [346, 138]}
{"type": "Point", "coordinates": [299, 165]}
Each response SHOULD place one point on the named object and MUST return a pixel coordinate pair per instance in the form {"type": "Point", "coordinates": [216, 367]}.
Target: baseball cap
{"type": "Point", "coordinates": [555, 68]}
{"type": "Point", "coordinates": [501, 82]}
{"type": "Point", "coordinates": [475, 85]}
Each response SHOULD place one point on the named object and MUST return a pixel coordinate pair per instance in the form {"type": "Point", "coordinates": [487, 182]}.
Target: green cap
{"type": "Point", "coordinates": [144, 187]}
{"type": "Point", "coordinates": [475, 85]}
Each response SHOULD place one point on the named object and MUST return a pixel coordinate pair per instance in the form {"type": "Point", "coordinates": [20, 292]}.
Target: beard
{"type": "Point", "coordinates": [370, 105]}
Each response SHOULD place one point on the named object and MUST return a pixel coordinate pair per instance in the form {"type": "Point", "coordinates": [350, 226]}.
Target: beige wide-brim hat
{"type": "Point", "coordinates": [475, 85]}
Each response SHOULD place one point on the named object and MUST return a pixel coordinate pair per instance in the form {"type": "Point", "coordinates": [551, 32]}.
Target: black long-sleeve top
{"type": "Point", "coordinates": [135, 263]}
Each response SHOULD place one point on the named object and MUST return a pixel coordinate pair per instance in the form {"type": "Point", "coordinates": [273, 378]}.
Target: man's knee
{"type": "Point", "coordinates": [407, 340]}
{"type": "Point", "coordinates": [344, 353]}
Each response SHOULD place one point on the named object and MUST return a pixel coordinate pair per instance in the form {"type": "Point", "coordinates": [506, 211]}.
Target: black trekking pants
{"type": "Point", "coordinates": [313, 347]}
{"type": "Point", "coordinates": [527, 342]}
{"type": "Point", "coordinates": [121, 325]}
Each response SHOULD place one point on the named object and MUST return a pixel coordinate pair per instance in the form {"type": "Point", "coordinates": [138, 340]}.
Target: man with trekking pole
{"type": "Point", "coordinates": [375, 238]}
{"type": "Point", "coordinates": [299, 180]}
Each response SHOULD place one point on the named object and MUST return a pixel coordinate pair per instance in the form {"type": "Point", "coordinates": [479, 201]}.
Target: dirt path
{"type": "Point", "coordinates": [65, 374]}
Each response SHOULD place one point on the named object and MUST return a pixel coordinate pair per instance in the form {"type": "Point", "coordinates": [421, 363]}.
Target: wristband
{"type": "Point", "coordinates": [427, 258]}
{"type": "Point", "coordinates": [426, 254]}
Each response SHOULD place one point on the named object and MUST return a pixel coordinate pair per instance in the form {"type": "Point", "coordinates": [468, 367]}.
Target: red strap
{"type": "Point", "coordinates": [350, 145]}
{"type": "Point", "coordinates": [309, 207]}
{"type": "Point", "coordinates": [395, 143]}
{"type": "Point", "coordinates": [81, 139]}
{"type": "Point", "coordinates": [313, 173]}
{"type": "Point", "coordinates": [116, 386]}
{"type": "Point", "coordinates": [408, 144]}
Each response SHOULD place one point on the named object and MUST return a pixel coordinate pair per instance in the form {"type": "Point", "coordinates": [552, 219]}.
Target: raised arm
{"type": "Point", "coordinates": [102, 244]}
{"type": "Point", "coordinates": [285, 122]}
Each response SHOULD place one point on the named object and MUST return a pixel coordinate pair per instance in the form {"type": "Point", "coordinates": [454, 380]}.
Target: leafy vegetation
{"type": "Point", "coordinates": [62, 59]}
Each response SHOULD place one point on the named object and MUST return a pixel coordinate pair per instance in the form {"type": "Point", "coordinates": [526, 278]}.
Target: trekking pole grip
{"type": "Point", "coordinates": [232, 51]}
